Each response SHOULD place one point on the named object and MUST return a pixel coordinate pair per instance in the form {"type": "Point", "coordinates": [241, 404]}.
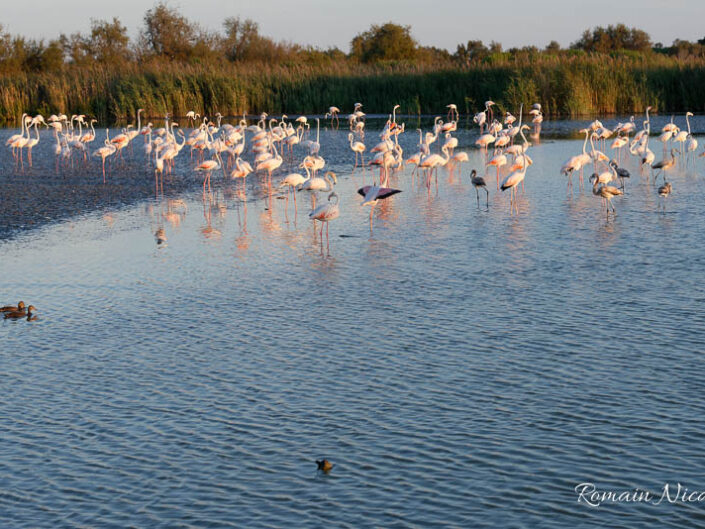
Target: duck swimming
{"type": "Point", "coordinates": [324, 465]}
{"type": "Point", "coordinates": [17, 314]}
{"type": "Point", "coordinates": [11, 308]}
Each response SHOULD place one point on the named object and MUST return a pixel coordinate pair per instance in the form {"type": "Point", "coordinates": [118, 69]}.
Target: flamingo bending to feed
{"type": "Point", "coordinates": [333, 113]}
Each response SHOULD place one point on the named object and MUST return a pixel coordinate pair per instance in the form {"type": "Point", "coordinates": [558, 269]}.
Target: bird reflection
{"type": "Point", "coordinates": [109, 219]}
{"type": "Point", "coordinates": [208, 231]}
{"type": "Point", "coordinates": [160, 236]}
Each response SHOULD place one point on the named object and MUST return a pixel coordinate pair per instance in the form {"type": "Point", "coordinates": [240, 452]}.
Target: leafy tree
{"type": "Point", "coordinates": [474, 50]}
{"type": "Point", "coordinates": [6, 58]}
{"type": "Point", "coordinates": [52, 57]}
{"type": "Point", "coordinates": [241, 38]}
{"type": "Point", "coordinates": [553, 47]}
{"type": "Point", "coordinates": [74, 48]}
{"type": "Point", "coordinates": [389, 42]}
{"type": "Point", "coordinates": [611, 38]}
{"type": "Point", "coordinates": [108, 42]}
{"type": "Point", "coordinates": [167, 33]}
{"type": "Point", "coordinates": [432, 55]}
{"type": "Point", "coordinates": [684, 49]}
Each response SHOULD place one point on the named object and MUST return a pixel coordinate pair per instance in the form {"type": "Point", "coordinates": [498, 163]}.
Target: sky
{"type": "Point", "coordinates": [325, 23]}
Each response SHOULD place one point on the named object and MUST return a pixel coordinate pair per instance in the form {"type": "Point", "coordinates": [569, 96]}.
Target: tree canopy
{"type": "Point", "coordinates": [612, 38]}
{"type": "Point", "coordinates": [168, 33]}
{"type": "Point", "coordinates": [388, 42]}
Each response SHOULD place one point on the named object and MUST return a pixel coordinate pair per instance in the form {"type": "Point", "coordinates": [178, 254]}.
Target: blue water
{"type": "Point", "coordinates": [461, 367]}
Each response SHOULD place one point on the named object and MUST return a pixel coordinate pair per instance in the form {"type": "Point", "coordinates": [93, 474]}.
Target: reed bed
{"type": "Point", "coordinates": [570, 85]}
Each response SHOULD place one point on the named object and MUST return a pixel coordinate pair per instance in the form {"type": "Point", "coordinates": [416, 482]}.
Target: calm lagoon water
{"type": "Point", "coordinates": [461, 367]}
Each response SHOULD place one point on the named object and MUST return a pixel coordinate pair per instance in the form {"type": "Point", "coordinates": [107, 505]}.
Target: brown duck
{"type": "Point", "coordinates": [324, 465]}
{"type": "Point", "coordinates": [13, 308]}
{"type": "Point", "coordinates": [17, 314]}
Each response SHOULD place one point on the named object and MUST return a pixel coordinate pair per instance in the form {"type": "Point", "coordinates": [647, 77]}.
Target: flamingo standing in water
{"type": "Point", "coordinates": [431, 162]}
{"type": "Point", "coordinates": [313, 185]}
{"type": "Point", "coordinates": [291, 182]}
{"type": "Point", "coordinates": [665, 164]}
{"type": "Point", "coordinates": [577, 162]}
{"type": "Point", "coordinates": [23, 121]}
{"type": "Point", "coordinates": [208, 167]}
{"type": "Point", "coordinates": [31, 142]}
{"type": "Point", "coordinates": [325, 213]}
{"type": "Point", "coordinates": [270, 165]}
{"type": "Point", "coordinates": [606, 193]}
{"type": "Point", "coordinates": [691, 144]}
{"type": "Point", "coordinates": [497, 161]}
{"type": "Point", "coordinates": [18, 142]}
{"type": "Point", "coordinates": [358, 148]}
{"type": "Point", "coordinates": [242, 169]}
{"type": "Point", "coordinates": [107, 150]}
{"type": "Point", "coordinates": [512, 181]}
{"type": "Point", "coordinates": [315, 146]}
{"type": "Point", "coordinates": [477, 182]}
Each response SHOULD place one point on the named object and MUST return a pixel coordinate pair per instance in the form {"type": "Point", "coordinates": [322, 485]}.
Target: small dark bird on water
{"type": "Point", "coordinates": [17, 314]}
{"type": "Point", "coordinates": [324, 465]}
{"type": "Point", "coordinates": [13, 308]}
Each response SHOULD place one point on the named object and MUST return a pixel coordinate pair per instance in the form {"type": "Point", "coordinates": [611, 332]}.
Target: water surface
{"type": "Point", "coordinates": [462, 367]}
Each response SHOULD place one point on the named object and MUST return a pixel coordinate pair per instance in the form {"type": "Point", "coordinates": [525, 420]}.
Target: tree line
{"type": "Point", "coordinates": [168, 36]}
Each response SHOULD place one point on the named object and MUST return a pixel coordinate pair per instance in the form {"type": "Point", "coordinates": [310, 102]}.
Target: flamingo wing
{"type": "Point", "coordinates": [385, 192]}
{"type": "Point", "coordinates": [363, 190]}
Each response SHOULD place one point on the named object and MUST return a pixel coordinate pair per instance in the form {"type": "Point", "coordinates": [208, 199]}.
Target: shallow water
{"type": "Point", "coordinates": [462, 367]}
